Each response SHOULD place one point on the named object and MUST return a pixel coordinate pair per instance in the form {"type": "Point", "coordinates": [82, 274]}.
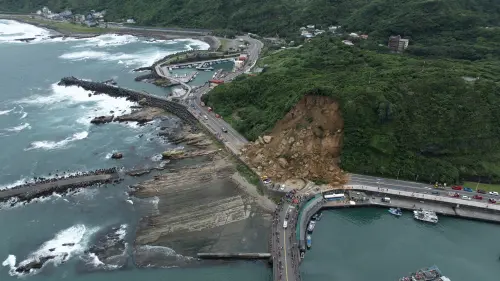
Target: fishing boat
{"type": "Point", "coordinates": [425, 215]}
{"type": "Point", "coordinates": [309, 242]}
{"type": "Point", "coordinates": [312, 224]}
{"type": "Point", "coordinates": [396, 211]}
{"type": "Point", "coordinates": [319, 216]}
{"type": "Point", "coordinates": [426, 274]}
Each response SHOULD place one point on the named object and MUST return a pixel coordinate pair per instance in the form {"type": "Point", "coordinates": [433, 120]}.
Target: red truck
{"type": "Point", "coordinates": [217, 115]}
{"type": "Point", "coordinates": [456, 187]}
{"type": "Point", "coordinates": [209, 109]}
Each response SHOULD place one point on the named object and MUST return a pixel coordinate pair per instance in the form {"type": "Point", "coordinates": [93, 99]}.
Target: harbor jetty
{"type": "Point", "coordinates": [142, 98]}
{"type": "Point", "coordinates": [46, 186]}
{"type": "Point", "coordinates": [235, 256]}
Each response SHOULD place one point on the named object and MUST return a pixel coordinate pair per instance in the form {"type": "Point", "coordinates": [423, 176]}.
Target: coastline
{"type": "Point", "coordinates": [212, 41]}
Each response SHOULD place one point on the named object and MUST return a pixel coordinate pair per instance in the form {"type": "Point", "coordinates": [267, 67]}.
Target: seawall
{"type": "Point", "coordinates": [30, 191]}
{"type": "Point", "coordinates": [142, 98]}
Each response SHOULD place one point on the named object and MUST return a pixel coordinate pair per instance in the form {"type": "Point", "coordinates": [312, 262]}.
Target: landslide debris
{"type": "Point", "coordinates": [306, 144]}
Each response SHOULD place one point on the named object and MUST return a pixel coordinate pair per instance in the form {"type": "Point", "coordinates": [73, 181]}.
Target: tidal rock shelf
{"type": "Point", "coordinates": [142, 98]}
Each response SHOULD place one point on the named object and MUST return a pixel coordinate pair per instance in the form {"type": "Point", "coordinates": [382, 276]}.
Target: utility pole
{"type": "Point", "coordinates": [397, 177]}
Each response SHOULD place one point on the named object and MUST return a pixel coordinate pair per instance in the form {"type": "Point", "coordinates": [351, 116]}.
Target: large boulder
{"type": "Point", "coordinates": [102, 119]}
{"type": "Point", "coordinates": [117, 155]}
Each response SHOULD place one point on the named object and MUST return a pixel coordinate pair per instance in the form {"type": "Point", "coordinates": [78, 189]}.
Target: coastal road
{"type": "Point", "coordinates": [284, 265]}
{"type": "Point", "coordinates": [410, 186]}
{"type": "Point", "coordinates": [234, 140]}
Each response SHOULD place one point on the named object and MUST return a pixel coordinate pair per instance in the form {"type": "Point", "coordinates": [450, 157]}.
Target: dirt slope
{"type": "Point", "coordinates": [306, 144]}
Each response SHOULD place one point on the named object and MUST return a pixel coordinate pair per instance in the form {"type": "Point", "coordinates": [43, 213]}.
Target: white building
{"type": "Point", "coordinates": [39, 12]}
{"type": "Point", "coordinates": [310, 26]}
{"type": "Point", "coordinates": [354, 35]}
{"type": "Point", "coordinates": [46, 11]}
{"type": "Point", "coordinates": [348, 43]}
{"type": "Point", "coordinates": [130, 21]}
{"type": "Point", "coordinates": [403, 43]}
{"type": "Point", "coordinates": [333, 28]}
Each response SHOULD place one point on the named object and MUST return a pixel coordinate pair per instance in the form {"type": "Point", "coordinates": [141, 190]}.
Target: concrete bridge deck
{"type": "Point", "coordinates": [235, 256]}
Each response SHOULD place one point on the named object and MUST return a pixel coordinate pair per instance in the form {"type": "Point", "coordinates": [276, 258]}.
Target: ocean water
{"type": "Point", "coordinates": [371, 244]}
{"type": "Point", "coordinates": [45, 129]}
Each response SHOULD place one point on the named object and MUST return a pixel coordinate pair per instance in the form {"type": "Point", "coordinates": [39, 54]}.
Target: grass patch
{"type": "Point", "coordinates": [250, 176]}
{"type": "Point", "coordinates": [223, 44]}
{"type": "Point", "coordinates": [483, 186]}
{"type": "Point", "coordinates": [66, 26]}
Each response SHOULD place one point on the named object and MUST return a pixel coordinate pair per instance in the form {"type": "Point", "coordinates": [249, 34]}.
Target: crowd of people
{"type": "Point", "coordinates": [292, 249]}
{"type": "Point", "coordinates": [66, 175]}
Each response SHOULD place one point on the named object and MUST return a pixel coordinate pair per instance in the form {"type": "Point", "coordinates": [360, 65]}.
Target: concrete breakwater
{"type": "Point", "coordinates": [142, 98]}
{"type": "Point", "coordinates": [44, 187]}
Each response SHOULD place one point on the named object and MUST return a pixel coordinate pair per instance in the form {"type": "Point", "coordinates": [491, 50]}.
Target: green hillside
{"type": "Point", "coordinates": [402, 115]}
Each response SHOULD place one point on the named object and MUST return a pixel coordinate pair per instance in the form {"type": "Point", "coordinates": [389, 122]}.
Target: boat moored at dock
{"type": "Point", "coordinates": [425, 215]}
{"type": "Point", "coordinates": [308, 241]}
{"type": "Point", "coordinates": [396, 211]}
{"type": "Point", "coordinates": [311, 226]}
{"type": "Point", "coordinates": [426, 274]}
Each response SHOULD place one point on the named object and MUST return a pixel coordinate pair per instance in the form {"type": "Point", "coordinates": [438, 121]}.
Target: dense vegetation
{"type": "Point", "coordinates": [407, 116]}
{"type": "Point", "coordinates": [403, 116]}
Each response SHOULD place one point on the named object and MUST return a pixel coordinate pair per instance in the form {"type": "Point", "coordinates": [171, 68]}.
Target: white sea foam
{"type": "Point", "coordinates": [5, 112]}
{"type": "Point", "coordinates": [142, 58]}
{"type": "Point", "coordinates": [95, 105]}
{"type": "Point", "coordinates": [48, 145]}
{"type": "Point", "coordinates": [122, 231]}
{"type": "Point", "coordinates": [11, 30]}
{"type": "Point", "coordinates": [107, 40]}
{"type": "Point", "coordinates": [75, 238]}
{"type": "Point", "coordinates": [19, 128]}
{"type": "Point", "coordinates": [10, 261]}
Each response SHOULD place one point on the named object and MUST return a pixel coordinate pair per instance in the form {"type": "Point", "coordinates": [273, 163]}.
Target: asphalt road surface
{"type": "Point", "coordinates": [411, 186]}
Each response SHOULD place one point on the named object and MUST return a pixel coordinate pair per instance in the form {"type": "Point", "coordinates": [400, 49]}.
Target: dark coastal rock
{"type": "Point", "coordinates": [102, 119]}
{"type": "Point", "coordinates": [68, 244]}
{"type": "Point", "coordinates": [117, 155]}
{"type": "Point", "coordinates": [109, 247]}
{"type": "Point", "coordinates": [144, 68]}
{"type": "Point", "coordinates": [148, 76]}
{"type": "Point", "coordinates": [35, 264]}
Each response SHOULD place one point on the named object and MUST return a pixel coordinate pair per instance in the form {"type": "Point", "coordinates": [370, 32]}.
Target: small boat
{"type": "Point", "coordinates": [396, 211]}
{"type": "Point", "coordinates": [319, 216]}
{"type": "Point", "coordinates": [425, 215]}
{"type": "Point", "coordinates": [308, 240]}
{"type": "Point", "coordinates": [312, 224]}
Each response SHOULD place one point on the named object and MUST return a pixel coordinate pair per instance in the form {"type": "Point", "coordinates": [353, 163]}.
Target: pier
{"type": "Point", "coordinates": [28, 192]}
{"type": "Point", "coordinates": [235, 256]}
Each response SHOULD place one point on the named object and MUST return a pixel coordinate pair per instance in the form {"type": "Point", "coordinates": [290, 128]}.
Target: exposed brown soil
{"type": "Point", "coordinates": [305, 144]}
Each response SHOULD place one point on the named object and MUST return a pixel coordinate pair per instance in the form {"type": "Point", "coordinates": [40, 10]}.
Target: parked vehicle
{"type": "Point", "coordinates": [456, 187]}
{"type": "Point", "coordinates": [285, 224]}
{"type": "Point", "coordinates": [465, 197]}
{"type": "Point", "coordinates": [468, 189]}
{"type": "Point", "coordinates": [493, 193]}
{"type": "Point", "coordinates": [224, 129]}
{"type": "Point", "coordinates": [491, 200]}
{"type": "Point", "coordinates": [209, 109]}
{"type": "Point", "coordinates": [478, 197]}
{"type": "Point", "coordinates": [435, 192]}
{"type": "Point", "coordinates": [481, 191]}
{"type": "Point", "coordinates": [217, 115]}
{"type": "Point", "coordinates": [456, 195]}
{"type": "Point", "coordinates": [206, 117]}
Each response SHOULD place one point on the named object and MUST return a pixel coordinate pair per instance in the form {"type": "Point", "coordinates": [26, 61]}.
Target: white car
{"type": "Point", "coordinates": [285, 224]}
{"type": "Point", "coordinates": [493, 193]}
{"type": "Point", "coordinates": [466, 197]}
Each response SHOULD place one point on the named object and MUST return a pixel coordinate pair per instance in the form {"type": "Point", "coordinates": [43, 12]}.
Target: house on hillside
{"type": "Point", "coordinates": [398, 44]}
{"type": "Point", "coordinates": [131, 21]}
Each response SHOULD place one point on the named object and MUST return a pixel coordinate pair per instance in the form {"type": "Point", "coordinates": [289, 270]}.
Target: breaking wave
{"type": "Point", "coordinates": [66, 244]}
{"type": "Point", "coordinates": [19, 128]}
{"type": "Point", "coordinates": [48, 145]}
{"type": "Point", "coordinates": [5, 112]}
{"type": "Point", "coordinates": [11, 30]}
{"type": "Point", "coordinates": [107, 40]}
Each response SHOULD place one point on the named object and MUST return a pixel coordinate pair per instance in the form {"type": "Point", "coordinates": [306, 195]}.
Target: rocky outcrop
{"type": "Point", "coordinates": [102, 119]}
{"type": "Point", "coordinates": [141, 116]}
{"type": "Point", "coordinates": [117, 155]}
{"type": "Point", "coordinates": [110, 249]}
{"type": "Point", "coordinates": [35, 264]}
